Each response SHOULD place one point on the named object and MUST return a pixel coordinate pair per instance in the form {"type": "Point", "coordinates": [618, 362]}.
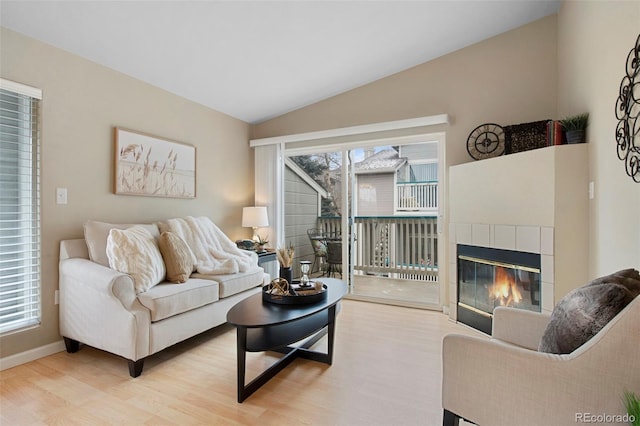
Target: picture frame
{"type": "Point", "coordinates": [152, 166]}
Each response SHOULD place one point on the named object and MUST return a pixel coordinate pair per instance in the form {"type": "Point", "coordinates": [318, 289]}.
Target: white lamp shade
{"type": "Point", "coordinates": [255, 217]}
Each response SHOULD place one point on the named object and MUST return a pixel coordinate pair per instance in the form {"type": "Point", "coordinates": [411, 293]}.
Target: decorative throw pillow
{"type": "Point", "coordinates": [584, 311]}
{"type": "Point", "coordinates": [319, 248]}
{"type": "Point", "coordinates": [96, 234]}
{"type": "Point", "coordinates": [134, 251]}
{"type": "Point", "coordinates": [178, 258]}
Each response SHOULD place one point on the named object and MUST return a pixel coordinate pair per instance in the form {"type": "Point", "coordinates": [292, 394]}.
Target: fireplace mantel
{"type": "Point", "coordinates": [535, 201]}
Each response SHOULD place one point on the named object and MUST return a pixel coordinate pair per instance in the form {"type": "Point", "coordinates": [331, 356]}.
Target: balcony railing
{"type": "Point", "coordinates": [417, 197]}
{"type": "Point", "coordinates": [401, 247]}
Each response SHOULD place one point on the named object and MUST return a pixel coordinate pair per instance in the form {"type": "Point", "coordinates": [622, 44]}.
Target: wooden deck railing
{"type": "Point", "coordinates": [399, 246]}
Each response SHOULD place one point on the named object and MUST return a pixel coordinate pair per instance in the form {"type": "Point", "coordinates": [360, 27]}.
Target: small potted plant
{"type": "Point", "coordinates": [575, 126]}
{"type": "Point", "coordinates": [259, 245]}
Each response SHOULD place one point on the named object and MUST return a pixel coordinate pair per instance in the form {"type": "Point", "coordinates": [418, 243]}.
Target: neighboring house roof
{"type": "Point", "coordinates": [385, 161]}
{"type": "Point", "coordinates": [305, 177]}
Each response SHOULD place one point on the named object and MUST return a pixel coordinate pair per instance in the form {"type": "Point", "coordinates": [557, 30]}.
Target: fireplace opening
{"type": "Point", "coordinates": [489, 277]}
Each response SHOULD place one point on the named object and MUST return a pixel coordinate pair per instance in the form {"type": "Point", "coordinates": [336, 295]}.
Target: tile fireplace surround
{"type": "Point", "coordinates": [530, 239]}
{"type": "Point", "coordinates": [534, 201]}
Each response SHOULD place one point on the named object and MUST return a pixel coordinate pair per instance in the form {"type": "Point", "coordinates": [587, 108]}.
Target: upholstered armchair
{"type": "Point", "coordinates": [506, 381]}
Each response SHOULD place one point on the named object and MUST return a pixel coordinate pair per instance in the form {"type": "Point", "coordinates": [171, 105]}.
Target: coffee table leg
{"type": "Point", "coordinates": [332, 328]}
{"type": "Point", "coordinates": [291, 353]}
{"type": "Point", "coordinates": [328, 330]}
{"type": "Point", "coordinates": [242, 360]}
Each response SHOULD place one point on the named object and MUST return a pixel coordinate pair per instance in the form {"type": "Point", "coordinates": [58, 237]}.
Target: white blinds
{"type": "Point", "coordinates": [19, 206]}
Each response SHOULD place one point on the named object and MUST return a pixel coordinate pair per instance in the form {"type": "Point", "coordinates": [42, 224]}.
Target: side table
{"type": "Point", "coordinates": [266, 257]}
{"type": "Point", "coordinates": [268, 261]}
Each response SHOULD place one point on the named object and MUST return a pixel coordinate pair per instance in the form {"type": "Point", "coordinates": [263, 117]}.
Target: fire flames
{"type": "Point", "coordinates": [504, 288]}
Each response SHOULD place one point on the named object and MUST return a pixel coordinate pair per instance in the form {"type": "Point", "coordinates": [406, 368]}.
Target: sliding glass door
{"type": "Point", "coordinates": [368, 215]}
{"type": "Point", "coordinates": [313, 210]}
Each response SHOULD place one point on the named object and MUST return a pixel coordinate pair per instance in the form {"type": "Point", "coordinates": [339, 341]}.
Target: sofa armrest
{"type": "Point", "coordinates": [99, 279]}
{"type": "Point", "coordinates": [73, 248]}
{"type": "Point", "coordinates": [519, 327]}
{"type": "Point", "coordinates": [99, 307]}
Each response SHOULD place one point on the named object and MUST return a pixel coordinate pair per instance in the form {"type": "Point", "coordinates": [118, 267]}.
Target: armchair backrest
{"type": "Point", "coordinates": [619, 339]}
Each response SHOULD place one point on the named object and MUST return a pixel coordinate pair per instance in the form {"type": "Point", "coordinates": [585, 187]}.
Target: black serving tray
{"type": "Point", "coordinates": [294, 300]}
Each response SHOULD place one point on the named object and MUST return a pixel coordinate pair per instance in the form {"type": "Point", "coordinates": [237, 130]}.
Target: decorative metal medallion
{"type": "Point", "coordinates": [628, 115]}
{"type": "Point", "coordinates": [486, 141]}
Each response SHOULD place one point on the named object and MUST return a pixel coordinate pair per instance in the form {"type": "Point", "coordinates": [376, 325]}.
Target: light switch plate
{"type": "Point", "coordinates": [61, 195]}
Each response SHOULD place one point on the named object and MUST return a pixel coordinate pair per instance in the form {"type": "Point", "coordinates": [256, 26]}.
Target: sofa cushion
{"type": "Point", "coordinates": [231, 284]}
{"type": "Point", "coordinates": [584, 311]}
{"type": "Point", "coordinates": [178, 258]}
{"type": "Point", "coordinates": [134, 251]}
{"type": "Point", "coordinates": [166, 299]}
{"type": "Point", "coordinates": [96, 234]}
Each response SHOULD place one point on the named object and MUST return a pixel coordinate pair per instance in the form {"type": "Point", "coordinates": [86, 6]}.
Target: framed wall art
{"type": "Point", "coordinates": [152, 166]}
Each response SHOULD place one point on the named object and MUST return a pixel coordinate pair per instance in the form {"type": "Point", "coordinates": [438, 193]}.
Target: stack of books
{"type": "Point", "coordinates": [555, 133]}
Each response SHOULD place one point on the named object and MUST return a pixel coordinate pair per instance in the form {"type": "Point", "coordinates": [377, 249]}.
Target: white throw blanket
{"type": "Point", "coordinates": [215, 253]}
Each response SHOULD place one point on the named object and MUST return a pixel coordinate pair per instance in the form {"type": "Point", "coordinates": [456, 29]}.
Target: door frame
{"type": "Point", "coordinates": [269, 170]}
{"type": "Point", "coordinates": [345, 149]}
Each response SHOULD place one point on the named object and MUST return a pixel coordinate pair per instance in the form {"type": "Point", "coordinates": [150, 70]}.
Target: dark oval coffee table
{"type": "Point", "coordinates": [264, 326]}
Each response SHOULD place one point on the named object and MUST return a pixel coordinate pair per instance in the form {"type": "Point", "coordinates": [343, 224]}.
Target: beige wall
{"type": "Point", "coordinates": [508, 79]}
{"type": "Point", "coordinates": [594, 39]}
{"type": "Point", "coordinates": [82, 101]}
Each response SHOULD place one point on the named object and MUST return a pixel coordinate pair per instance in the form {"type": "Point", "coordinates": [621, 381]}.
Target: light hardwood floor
{"type": "Point", "coordinates": [397, 291]}
{"type": "Point", "coordinates": [386, 371]}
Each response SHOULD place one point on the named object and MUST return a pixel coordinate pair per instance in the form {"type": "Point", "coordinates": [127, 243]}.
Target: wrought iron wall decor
{"type": "Point", "coordinates": [628, 115]}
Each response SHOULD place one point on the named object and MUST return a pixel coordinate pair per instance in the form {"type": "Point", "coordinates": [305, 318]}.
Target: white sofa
{"type": "Point", "coordinates": [99, 306]}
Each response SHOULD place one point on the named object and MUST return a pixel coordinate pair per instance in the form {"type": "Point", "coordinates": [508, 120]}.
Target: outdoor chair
{"type": "Point", "coordinates": [334, 258]}
{"type": "Point", "coordinates": [318, 242]}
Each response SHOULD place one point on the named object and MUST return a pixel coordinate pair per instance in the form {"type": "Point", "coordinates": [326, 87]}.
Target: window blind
{"type": "Point", "coordinates": [20, 305]}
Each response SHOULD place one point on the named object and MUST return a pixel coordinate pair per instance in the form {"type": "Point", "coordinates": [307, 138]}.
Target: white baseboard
{"type": "Point", "coordinates": [31, 355]}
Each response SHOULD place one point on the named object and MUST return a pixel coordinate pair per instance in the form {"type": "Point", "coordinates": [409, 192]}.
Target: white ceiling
{"type": "Point", "coordinates": [255, 60]}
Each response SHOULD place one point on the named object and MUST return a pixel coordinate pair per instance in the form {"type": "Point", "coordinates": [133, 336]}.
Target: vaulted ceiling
{"type": "Point", "coordinates": [255, 60]}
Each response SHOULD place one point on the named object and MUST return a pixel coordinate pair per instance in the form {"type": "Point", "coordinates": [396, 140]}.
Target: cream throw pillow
{"type": "Point", "coordinates": [178, 258]}
{"type": "Point", "coordinates": [96, 234]}
{"type": "Point", "coordinates": [134, 251]}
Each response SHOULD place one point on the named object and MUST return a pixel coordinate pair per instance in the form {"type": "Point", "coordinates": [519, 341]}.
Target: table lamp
{"type": "Point", "coordinates": [255, 217]}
